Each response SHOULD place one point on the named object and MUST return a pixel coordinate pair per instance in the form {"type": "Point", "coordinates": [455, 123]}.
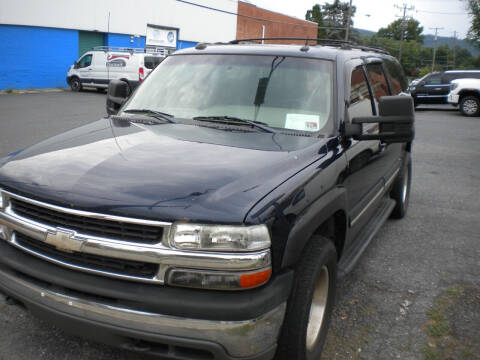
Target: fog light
{"type": "Point", "coordinates": [216, 280]}
{"type": "Point", "coordinates": [3, 232]}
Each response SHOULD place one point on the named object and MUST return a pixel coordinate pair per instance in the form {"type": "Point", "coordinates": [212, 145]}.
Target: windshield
{"type": "Point", "coordinates": [281, 92]}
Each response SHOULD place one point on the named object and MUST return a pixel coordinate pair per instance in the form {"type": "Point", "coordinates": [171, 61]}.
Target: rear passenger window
{"type": "Point", "coordinates": [360, 100]}
{"type": "Point", "coordinates": [378, 82]}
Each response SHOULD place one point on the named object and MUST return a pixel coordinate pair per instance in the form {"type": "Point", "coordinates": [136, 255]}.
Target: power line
{"type": "Point", "coordinates": [261, 19]}
{"type": "Point", "coordinates": [440, 12]}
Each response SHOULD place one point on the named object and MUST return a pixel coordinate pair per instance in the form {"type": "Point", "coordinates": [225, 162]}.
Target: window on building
{"type": "Point", "coordinates": [360, 100]}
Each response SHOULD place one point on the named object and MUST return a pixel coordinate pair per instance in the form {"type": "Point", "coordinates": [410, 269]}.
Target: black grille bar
{"type": "Point", "coordinates": [89, 261]}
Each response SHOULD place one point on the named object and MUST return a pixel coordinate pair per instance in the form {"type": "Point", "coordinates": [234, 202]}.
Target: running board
{"type": "Point", "coordinates": [348, 260]}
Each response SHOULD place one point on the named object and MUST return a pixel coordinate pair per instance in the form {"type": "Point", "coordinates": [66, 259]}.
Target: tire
{"type": "Point", "coordinates": [470, 106]}
{"type": "Point", "coordinates": [401, 189]}
{"type": "Point", "coordinates": [305, 326]}
{"type": "Point", "coordinates": [75, 84]}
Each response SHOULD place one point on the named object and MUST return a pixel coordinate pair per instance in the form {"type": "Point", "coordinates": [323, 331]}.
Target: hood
{"type": "Point", "coordinates": [165, 172]}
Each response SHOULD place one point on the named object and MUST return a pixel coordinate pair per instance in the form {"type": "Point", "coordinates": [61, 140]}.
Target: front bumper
{"type": "Point", "coordinates": [453, 99]}
{"type": "Point", "coordinates": [126, 327]}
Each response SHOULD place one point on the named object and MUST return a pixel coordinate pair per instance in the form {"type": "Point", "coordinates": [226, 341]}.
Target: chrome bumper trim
{"type": "Point", "coordinates": [239, 338]}
{"type": "Point", "coordinates": [166, 257]}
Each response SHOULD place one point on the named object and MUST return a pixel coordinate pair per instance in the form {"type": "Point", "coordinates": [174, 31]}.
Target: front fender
{"type": "Point", "coordinates": [305, 226]}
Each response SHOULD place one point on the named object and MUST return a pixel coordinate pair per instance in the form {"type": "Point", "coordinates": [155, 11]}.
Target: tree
{"type": "Point", "coordinates": [332, 20]}
{"type": "Point", "coordinates": [412, 32]}
{"type": "Point", "coordinates": [316, 15]}
{"type": "Point", "coordinates": [473, 34]}
{"type": "Point", "coordinates": [335, 17]}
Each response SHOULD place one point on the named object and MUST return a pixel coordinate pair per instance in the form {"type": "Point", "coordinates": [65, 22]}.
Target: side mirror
{"type": "Point", "coordinates": [396, 120]}
{"type": "Point", "coordinates": [75, 64]}
{"type": "Point", "coordinates": [116, 96]}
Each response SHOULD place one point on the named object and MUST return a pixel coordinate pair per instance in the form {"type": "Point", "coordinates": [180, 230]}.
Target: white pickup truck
{"type": "Point", "coordinates": [466, 94]}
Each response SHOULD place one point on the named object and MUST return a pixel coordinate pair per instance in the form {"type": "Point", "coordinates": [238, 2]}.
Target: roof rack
{"type": "Point", "coordinates": [118, 49]}
{"type": "Point", "coordinates": [332, 42]}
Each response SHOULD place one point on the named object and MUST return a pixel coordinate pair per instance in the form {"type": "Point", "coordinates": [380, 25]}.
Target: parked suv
{"type": "Point", "coordinates": [466, 94]}
{"type": "Point", "coordinates": [433, 88]}
{"type": "Point", "coordinates": [96, 68]}
{"type": "Point", "coordinates": [210, 216]}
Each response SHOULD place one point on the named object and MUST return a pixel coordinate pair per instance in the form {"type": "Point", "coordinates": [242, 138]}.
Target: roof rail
{"type": "Point", "coordinates": [118, 49]}
{"type": "Point", "coordinates": [332, 42]}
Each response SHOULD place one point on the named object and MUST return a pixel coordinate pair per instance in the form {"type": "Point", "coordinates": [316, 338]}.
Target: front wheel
{"type": "Point", "coordinates": [75, 84]}
{"type": "Point", "coordinates": [470, 106]}
{"type": "Point", "coordinates": [401, 188]}
{"type": "Point", "coordinates": [311, 302]}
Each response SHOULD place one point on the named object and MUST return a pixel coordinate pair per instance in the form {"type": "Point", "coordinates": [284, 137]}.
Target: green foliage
{"type": "Point", "coordinates": [473, 34]}
{"type": "Point", "coordinates": [332, 20]}
{"type": "Point", "coordinates": [411, 32]}
{"type": "Point", "coordinates": [424, 71]}
{"type": "Point", "coordinates": [316, 15]}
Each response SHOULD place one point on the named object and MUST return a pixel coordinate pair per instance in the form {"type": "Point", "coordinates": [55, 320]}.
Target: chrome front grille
{"type": "Point", "coordinates": [87, 225]}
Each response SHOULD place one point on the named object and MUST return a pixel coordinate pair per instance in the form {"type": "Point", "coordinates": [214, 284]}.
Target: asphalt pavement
{"type": "Point", "coordinates": [415, 293]}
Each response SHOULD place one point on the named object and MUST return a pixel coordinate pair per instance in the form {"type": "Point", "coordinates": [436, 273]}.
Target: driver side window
{"type": "Point", "coordinates": [85, 61]}
{"type": "Point", "coordinates": [360, 99]}
{"type": "Point", "coordinates": [433, 80]}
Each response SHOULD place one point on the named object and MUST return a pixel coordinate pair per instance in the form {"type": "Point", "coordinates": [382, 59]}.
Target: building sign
{"type": "Point", "coordinates": [161, 37]}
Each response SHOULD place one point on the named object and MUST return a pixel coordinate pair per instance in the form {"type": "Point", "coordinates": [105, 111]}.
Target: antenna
{"type": "Point", "coordinates": [108, 38]}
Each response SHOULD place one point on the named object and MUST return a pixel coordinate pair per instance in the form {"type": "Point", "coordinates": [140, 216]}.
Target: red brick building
{"type": "Point", "coordinates": [253, 21]}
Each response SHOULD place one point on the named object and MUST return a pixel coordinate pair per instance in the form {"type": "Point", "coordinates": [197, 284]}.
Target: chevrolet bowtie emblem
{"type": "Point", "coordinates": [64, 240]}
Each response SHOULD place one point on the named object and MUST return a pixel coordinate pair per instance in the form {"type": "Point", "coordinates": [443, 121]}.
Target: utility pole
{"type": "Point", "coordinates": [347, 33]}
{"type": "Point", "coordinates": [454, 49]}
{"type": "Point", "coordinates": [403, 25]}
{"type": "Point", "coordinates": [435, 46]}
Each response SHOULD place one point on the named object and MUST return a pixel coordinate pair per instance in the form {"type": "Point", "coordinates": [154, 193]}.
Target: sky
{"type": "Point", "coordinates": [372, 15]}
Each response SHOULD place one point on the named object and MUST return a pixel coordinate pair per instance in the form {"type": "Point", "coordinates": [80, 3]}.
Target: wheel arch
{"type": "Point", "coordinates": [465, 93]}
{"type": "Point", "coordinates": [326, 217]}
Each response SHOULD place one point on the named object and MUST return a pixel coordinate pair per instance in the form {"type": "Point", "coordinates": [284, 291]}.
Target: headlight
{"type": "Point", "coordinates": [222, 238]}
{"type": "Point", "coordinates": [412, 88]}
{"type": "Point", "coordinates": [453, 86]}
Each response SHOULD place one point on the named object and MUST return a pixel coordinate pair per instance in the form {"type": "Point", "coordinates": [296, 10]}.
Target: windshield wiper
{"type": "Point", "coordinates": [232, 120]}
{"type": "Point", "coordinates": [153, 113]}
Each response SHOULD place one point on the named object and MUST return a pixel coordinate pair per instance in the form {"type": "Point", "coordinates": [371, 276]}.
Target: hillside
{"type": "Point", "coordinates": [430, 39]}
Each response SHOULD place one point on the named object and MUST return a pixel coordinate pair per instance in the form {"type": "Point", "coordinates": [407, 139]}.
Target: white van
{"type": "Point", "coordinates": [97, 67]}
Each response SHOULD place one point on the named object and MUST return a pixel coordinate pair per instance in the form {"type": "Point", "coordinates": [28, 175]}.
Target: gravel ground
{"type": "Point", "coordinates": [415, 294]}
